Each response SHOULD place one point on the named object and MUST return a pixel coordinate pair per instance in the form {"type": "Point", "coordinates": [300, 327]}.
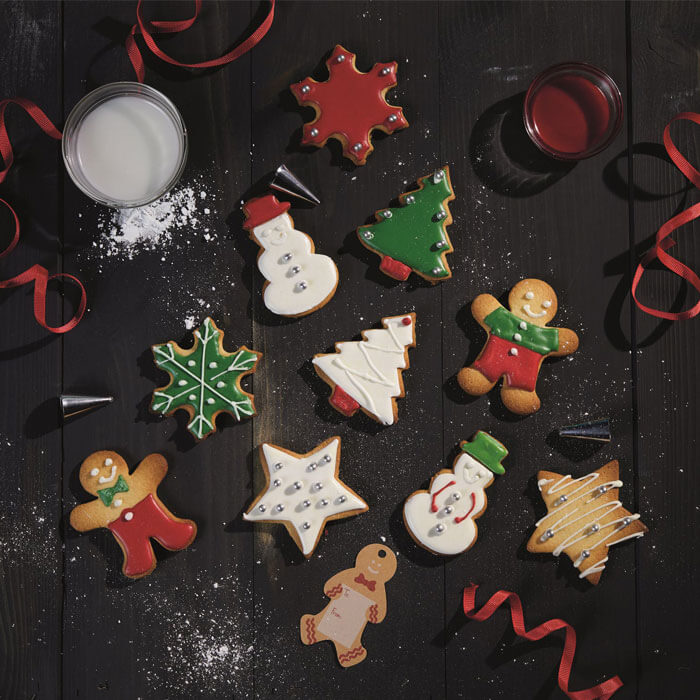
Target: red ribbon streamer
{"type": "Point", "coordinates": [36, 274]}
{"type": "Point", "coordinates": [663, 242]}
{"type": "Point", "coordinates": [602, 691]}
{"type": "Point", "coordinates": [148, 28]}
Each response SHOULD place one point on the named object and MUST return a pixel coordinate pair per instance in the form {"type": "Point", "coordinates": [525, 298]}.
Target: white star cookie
{"type": "Point", "coordinates": [303, 492]}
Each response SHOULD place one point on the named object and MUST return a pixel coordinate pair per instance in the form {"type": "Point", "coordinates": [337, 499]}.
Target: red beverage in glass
{"type": "Point", "coordinates": [572, 111]}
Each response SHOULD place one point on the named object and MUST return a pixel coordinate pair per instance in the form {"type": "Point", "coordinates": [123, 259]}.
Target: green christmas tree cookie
{"type": "Point", "coordinates": [204, 380]}
{"type": "Point", "coordinates": [413, 237]}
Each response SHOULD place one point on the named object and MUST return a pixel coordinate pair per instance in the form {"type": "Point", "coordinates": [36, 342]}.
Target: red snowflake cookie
{"type": "Point", "coordinates": [350, 105]}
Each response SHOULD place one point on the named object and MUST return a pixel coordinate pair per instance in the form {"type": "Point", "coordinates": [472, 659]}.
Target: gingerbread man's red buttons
{"type": "Point", "coordinates": [350, 105]}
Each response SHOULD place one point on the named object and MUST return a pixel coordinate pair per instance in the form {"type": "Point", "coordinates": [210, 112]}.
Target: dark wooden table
{"type": "Point", "coordinates": [221, 619]}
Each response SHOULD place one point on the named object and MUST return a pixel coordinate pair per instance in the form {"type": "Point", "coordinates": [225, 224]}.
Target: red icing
{"type": "Point", "coordinates": [394, 268]}
{"type": "Point", "coordinates": [406, 321]}
{"type": "Point", "coordinates": [261, 209]}
{"type": "Point", "coordinates": [349, 105]}
{"type": "Point", "coordinates": [570, 113]}
{"type": "Point", "coordinates": [460, 518]}
{"type": "Point", "coordinates": [364, 582]}
{"type": "Point", "coordinates": [343, 402]}
{"type": "Point", "coordinates": [520, 370]}
{"type": "Point", "coordinates": [433, 505]}
{"type": "Point", "coordinates": [149, 520]}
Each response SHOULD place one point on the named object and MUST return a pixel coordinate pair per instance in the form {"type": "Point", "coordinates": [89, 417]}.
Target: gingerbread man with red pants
{"type": "Point", "coordinates": [127, 504]}
{"type": "Point", "coordinates": [518, 342]}
{"type": "Point", "coordinates": [357, 596]}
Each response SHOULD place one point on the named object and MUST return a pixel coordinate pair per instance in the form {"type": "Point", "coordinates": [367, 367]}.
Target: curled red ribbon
{"type": "Point", "coordinates": [663, 242]}
{"type": "Point", "coordinates": [602, 691]}
{"type": "Point", "coordinates": [36, 274]}
{"type": "Point", "coordinates": [148, 28]}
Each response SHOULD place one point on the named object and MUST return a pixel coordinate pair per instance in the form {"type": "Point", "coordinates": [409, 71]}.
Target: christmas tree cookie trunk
{"type": "Point", "coordinates": [442, 519]}
{"type": "Point", "coordinates": [298, 281]}
{"type": "Point", "coordinates": [366, 374]}
{"type": "Point", "coordinates": [413, 237]}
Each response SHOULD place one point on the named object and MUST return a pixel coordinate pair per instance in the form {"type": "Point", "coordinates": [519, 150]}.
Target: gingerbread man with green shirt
{"type": "Point", "coordinates": [518, 341]}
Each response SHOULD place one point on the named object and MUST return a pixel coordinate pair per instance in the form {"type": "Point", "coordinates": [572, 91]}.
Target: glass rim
{"type": "Point", "coordinates": [87, 104]}
{"type": "Point", "coordinates": [598, 77]}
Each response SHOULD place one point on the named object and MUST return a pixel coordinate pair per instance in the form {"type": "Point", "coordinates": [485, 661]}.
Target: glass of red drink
{"type": "Point", "coordinates": [572, 111]}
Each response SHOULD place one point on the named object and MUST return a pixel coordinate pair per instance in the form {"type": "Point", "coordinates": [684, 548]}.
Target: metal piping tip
{"type": "Point", "coordinates": [284, 180]}
{"type": "Point", "coordinates": [598, 430]}
{"type": "Point", "coordinates": [73, 404]}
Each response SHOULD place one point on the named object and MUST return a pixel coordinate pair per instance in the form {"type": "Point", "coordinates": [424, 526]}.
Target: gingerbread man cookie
{"type": "Point", "coordinates": [350, 105]}
{"type": "Point", "coordinates": [357, 596]}
{"type": "Point", "coordinates": [128, 506]}
{"type": "Point", "coordinates": [518, 341]}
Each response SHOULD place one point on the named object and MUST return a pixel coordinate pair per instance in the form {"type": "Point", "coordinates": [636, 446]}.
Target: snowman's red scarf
{"type": "Point", "coordinates": [602, 691]}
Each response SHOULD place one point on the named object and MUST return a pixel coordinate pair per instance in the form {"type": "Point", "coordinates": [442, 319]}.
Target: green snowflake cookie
{"type": "Point", "coordinates": [205, 380]}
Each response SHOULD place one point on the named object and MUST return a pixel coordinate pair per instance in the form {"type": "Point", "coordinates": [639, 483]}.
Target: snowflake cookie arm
{"type": "Point", "coordinates": [350, 105]}
{"type": "Point", "coordinates": [205, 380]}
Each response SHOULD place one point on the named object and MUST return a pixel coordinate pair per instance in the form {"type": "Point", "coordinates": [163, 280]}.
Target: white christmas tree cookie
{"type": "Point", "coordinates": [441, 519]}
{"type": "Point", "coordinates": [298, 281]}
{"type": "Point", "coordinates": [366, 374]}
{"type": "Point", "coordinates": [584, 518]}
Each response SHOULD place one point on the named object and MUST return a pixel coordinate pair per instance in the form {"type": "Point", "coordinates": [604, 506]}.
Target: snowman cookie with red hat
{"type": "Point", "coordinates": [299, 281]}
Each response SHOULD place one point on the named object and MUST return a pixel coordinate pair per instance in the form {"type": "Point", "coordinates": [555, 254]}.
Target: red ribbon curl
{"type": "Point", "coordinates": [602, 691]}
{"type": "Point", "coordinates": [148, 28]}
{"type": "Point", "coordinates": [663, 242]}
{"type": "Point", "coordinates": [36, 274]}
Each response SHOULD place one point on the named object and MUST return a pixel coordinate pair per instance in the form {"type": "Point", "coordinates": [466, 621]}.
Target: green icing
{"type": "Point", "coordinates": [107, 495]}
{"type": "Point", "coordinates": [203, 380]}
{"type": "Point", "coordinates": [487, 450]}
{"type": "Point", "coordinates": [413, 234]}
{"type": "Point", "coordinates": [505, 324]}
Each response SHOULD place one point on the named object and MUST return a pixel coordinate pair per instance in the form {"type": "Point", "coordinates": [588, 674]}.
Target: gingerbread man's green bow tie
{"type": "Point", "coordinates": [109, 493]}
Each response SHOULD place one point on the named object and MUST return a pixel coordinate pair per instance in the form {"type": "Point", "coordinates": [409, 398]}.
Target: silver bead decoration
{"type": "Point", "coordinates": [594, 528]}
{"type": "Point", "coordinates": [385, 71]}
{"type": "Point", "coordinates": [313, 133]}
{"type": "Point", "coordinates": [440, 215]}
{"type": "Point", "coordinates": [305, 89]}
{"type": "Point", "coordinates": [439, 528]}
{"type": "Point", "coordinates": [626, 522]}
{"type": "Point", "coordinates": [277, 482]}
{"type": "Point", "coordinates": [368, 235]}
{"type": "Point", "coordinates": [342, 499]}
{"type": "Point", "coordinates": [306, 525]}
{"type": "Point", "coordinates": [262, 508]}
{"type": "Point", "coordinates": [357, 147]}
{"type": "Point", "coordinates": [302, 284]}
{"type": "Point", "coordinates": [456, 496]}
{"type": "Point", "coordinates": [436, 270]}
{"type": "Point", "coordinates": [441, 244]}
{"type": "Point", "coordinates": [278, 466]}
{"type": "Point", "coordinates": [548, 534]}
{"type": "Point", "coordinates": [306, 503]}
{"type": "Point", "coordinates": [392, 118]}
{"type": "Point", "coordinates": [560, 500]}
{"type": "Point", "coordinates": [340, 58]}
{"type": "Point", "coordinates": [318, 485]}
{"type": "Point", "coordinates": [327, 459]}
{"type": "Point", "coordinates": [386, 214]}
{"type": "Point", "coordinates": [296, 270]}
{"type": "Point", "coordinates": [410, 199]}
{"type": "Point", "coordinates": [298, 485]}
{"type": "Point", "coordinates": [448, 509]}
{"type": "Point", "coordinates": [279, 507]}
{"type": "Point", "coordinates": [324, 501]}
{"type": "Point", "coordinates": [311, 467]}
{"type": "Point", "coordinates": [287, 257]}
{"type": "Point", "coordinates": [585, 554]}
{"type": "Point", "coordinates": [438, 176]}
{"type": "Point", "coordinates": [602, 489]}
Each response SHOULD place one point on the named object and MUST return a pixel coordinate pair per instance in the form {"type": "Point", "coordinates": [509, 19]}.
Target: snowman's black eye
{"type": "Point", "coordinates": [381, 553]}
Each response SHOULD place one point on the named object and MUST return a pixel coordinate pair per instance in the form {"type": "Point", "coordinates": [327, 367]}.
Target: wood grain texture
{"type": "Point", "coordinates": [220, 620]}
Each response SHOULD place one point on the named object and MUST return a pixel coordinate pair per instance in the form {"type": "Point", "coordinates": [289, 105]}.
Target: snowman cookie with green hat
{"type": "Point", "coordinates": [442, 519]}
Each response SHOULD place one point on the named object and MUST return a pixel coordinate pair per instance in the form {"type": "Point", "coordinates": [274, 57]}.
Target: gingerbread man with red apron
{"type": "Point", "coordinates": [127, 504]}
{"type": "Point", "coordinates": [357, 596]}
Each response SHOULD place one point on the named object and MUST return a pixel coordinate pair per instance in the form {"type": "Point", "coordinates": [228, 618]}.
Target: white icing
{"type": "Point", "coordinates": [533, 314]}
{"type": "Point", "coordinates": [108, 462]}
{"type": "Point", "coordinates": [117, 502]}
{"type": "Point", "coordinates": [367, 370]}
{"type": "Point", "coordinates": [471, 479]}
{"type": "Point", "coordinates": [331, 499]}
{"type": "Point", "coordinates": [285, 295]}
{"type": "Point", "coordinates": [529, 295]}
{"type": "Point", "coordinates": [94, 471]}
{"type": "Point", "coordinates": [576, 509]}
{"type": "Point", "coordinates": [129, 516]}
{"type": "Point", "coordinates": [107, 479]}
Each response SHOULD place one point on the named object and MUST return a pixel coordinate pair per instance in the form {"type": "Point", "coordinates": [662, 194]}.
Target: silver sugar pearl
{"type": "Point", "coordinates": [440, 215]}
{"type": "Point", "coordinates": [440, 244]}
{"type": "Point", "coordinates": [279, 507]}
{"type": "Point", "coordinates": [585, 554]}
{"type": "Point", "coordinates": [302, 284]}
{"type": "Point", "coordinates": [306, 525]}
{"type": "Point", "coordinates": [385, 71]}
{"type": "Point", "coordinates": [262, 508]}
{"type": "Point", "coordinates": [448, 509]}
{"type": "Point", "coordinates": [392, 118]}
{"type": "Point", "coordinates": [595, 527]}
{"type": "Point", "coordinates": [602, 489]}
{"type": "Point", "coordinates": [298, 485]}
{"type": "Point", "coordinates": [311, 467]}
{"type": "Point", "coordinates": [296, 270]}
{"type": "Point", "coordinates": [626, 522]}
{"type": "Point", "coordinates": [306, 503]}
{"type": "Point", "coordinates": [277, 482]}
{"type": "Point", "coordinates": [324, 501]}
{"type": "Point", "coordinates": [560, 500]}
{"type": "Point", "coordinates": [436, 270]}
{"type": "Point", "coordinates": [287, 257]}
{"type": "Point", "coordinates": [438, 176]}
{"type": "Point", "coordinates": [410, 199]}
{"type": "Point", "coordinates": [278, 466]}
{"type": "Point", "coordinates": [340, 58]}
{"type": "Point", "coordinates": [342, 499]}
{"type": "Point", "coordinates": [386, 214]}
{"type": "Point", "coordinates": [327, 459]}
{"type": "Point", "coordinates": [548, 534]}
{"type": "Point", "coordinates": [456, 496]}
{"type": "Point", "coordinates": [367, 234]}
{"type": "Point", "coordinates": [305, 89]}
{"type": "Point", "coordinates": [313, 133]}
{"type": "Point", "coordinates": [318, 485]}
{"type": "Point", "coordinates": [357, 147]}
{"type": "Point", "coordinates": [439, 528]}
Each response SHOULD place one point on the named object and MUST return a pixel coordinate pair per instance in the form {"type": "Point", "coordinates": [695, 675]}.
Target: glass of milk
{"type": "Point", "coordinates": [125, 144]}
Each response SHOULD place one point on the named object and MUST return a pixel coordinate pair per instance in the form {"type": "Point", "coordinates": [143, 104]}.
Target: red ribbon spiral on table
{"type": "Point", "coordinates": [602, 691]}
{"type": "Point", "coordinates": [37, 274]}
{"type": "Point", "coordinates": [148, 28]}
{"type": "Point", "coordinates": [663, 242]}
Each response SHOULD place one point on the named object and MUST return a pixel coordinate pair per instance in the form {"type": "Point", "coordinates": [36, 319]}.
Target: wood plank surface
{"type": "Point", "coordinates": [221, 619]}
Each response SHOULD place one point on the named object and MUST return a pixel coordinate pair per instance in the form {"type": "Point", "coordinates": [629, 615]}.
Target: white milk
{"type": "Point", "coordinates": [128, 148]}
